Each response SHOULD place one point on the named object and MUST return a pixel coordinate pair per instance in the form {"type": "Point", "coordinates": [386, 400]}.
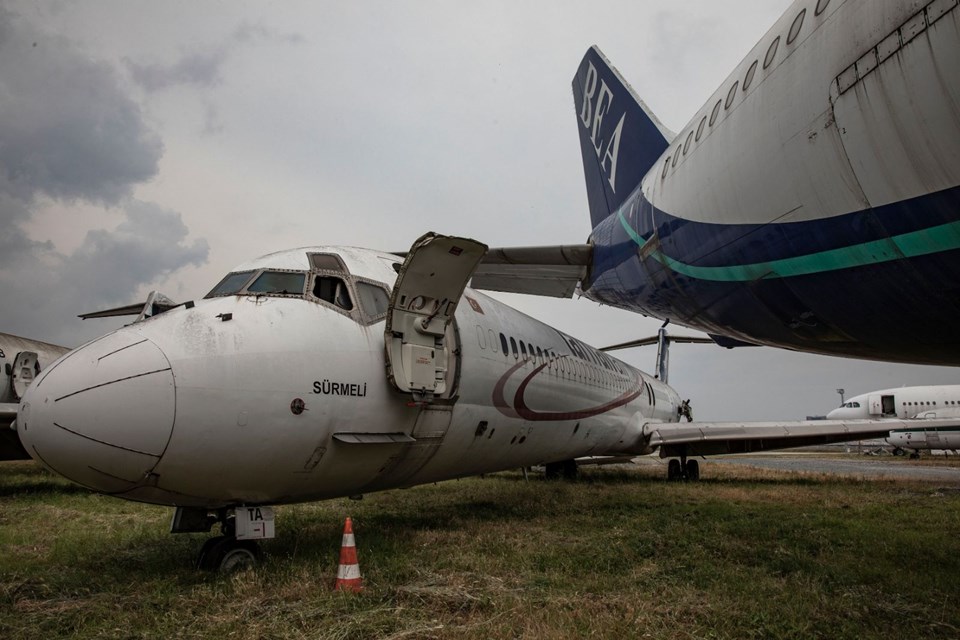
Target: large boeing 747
{"type": "Point", "coordinates": [812, 203]}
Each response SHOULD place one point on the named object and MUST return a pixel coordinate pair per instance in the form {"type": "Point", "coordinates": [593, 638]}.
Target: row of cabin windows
{"type": "Point", "coordinates": [549, 358]}
{"type": "Point", "coordinates": [928, 403]}
{"type": "Point", "coordinates": [560, 364]}
{"type": "Point", "coordinates": [768, 59]}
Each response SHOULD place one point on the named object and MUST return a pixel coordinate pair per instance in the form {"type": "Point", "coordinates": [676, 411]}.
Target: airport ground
{"type": "Point", "coordinates": [748, 552]}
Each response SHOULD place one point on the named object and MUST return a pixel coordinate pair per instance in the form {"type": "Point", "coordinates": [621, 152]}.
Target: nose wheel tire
{"type": "Point", "coordinates": [226, 554]}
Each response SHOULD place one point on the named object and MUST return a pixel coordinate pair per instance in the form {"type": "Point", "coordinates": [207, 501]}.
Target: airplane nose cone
{"type": "Point", "coordinates": [102, 416]}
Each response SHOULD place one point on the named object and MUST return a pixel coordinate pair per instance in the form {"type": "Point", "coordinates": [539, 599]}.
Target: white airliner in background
{"type": "Point", "coordinates": [21, 360]}
{"type": "Point", "coordinates": [816, 187]}
{"type": "Point", "coordinates": [323, 372]}
{"type": "Point", "coordinates": [931, 401]}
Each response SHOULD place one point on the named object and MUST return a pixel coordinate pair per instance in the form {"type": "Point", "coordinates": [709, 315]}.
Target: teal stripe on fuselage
{"type": "Point", "coordinates": [942, 237]}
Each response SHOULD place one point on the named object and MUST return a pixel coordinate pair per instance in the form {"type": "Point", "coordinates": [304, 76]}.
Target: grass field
{"type": "Point", "coordinates": [619, 554]}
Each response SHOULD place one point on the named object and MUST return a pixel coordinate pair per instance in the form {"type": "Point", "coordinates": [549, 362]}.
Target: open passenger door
{"type": "Point", "coordinates": [25, 369]}
{"type": "Point", "coordinates": [419, 348]}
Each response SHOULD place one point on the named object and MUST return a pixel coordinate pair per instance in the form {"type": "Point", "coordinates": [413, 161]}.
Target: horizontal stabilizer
{"type": "Point", "coordinates": [730, 343]}
{"type": "Point", "coordinates": [553, 271]}
{"type": "Point", "coordinates": [718, 438]}
{"type": "Point", "coordinates": [643, 342]}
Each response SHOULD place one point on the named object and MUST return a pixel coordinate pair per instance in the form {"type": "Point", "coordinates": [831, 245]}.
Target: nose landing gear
{"type": "Point", "coordinates": [236, 548]}
{"type": "Point", "coordinates": [226, 554]}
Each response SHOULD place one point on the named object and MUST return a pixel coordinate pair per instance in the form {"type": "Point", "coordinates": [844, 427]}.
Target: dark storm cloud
{"type": "Point", "coordinates": [67, 130]}
{"type": "Point", "coordinates": [69, 134]}
{"type": "Point", "coordinates": [42, 298]}
{"type": "Point", "coordinates": [202, 68]}
{"type": "Point", "coordinates": [149, 244]}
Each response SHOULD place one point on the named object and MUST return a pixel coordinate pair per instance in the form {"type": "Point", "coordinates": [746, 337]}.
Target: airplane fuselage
{"type": "Point", "coordinates": [21, 360]}
{"type": "Point", "coordinates": [254, 398]}
{"type": "Point", "coordinates": [813, 202]}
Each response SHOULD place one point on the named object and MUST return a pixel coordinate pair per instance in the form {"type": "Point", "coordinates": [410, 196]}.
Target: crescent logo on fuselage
{"type": "Point", "coordinates": [521, 410]}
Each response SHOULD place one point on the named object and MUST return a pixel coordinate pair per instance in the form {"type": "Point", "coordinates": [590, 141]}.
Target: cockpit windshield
{"type": "Point", "coordinates": [278, 282]}
{"type": "Point", "coordinates": [364, 301]}
{"type": "Point", "coordinates": [231, 284]}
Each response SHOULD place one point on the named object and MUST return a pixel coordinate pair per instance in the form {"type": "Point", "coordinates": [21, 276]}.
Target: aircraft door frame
{"type": "Point", "coordinates": [421, 341]}
{"type": "Point", "coordinates": [25, 368]}
{"type": "Point", "coordinates": [888, 405]}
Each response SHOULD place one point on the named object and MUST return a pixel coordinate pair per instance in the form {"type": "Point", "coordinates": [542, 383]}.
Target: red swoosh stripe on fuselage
{"type": "Point", "coordinates": [521, 410]}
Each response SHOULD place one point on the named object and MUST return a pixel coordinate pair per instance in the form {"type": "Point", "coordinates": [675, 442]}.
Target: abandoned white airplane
{"type": "Point", "coordinates": [325, 372]}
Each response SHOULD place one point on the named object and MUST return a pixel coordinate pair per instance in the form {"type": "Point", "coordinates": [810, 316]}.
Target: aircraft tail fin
{"type": "Point", "coordinates": [620, 138]}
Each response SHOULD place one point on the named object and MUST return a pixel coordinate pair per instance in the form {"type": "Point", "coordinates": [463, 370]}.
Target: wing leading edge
{"type": "Point", "coordinates": [717, 438]}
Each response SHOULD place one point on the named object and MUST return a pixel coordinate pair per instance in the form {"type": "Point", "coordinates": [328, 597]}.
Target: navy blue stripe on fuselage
{"type": "Point", "coordinates": [799, 284]}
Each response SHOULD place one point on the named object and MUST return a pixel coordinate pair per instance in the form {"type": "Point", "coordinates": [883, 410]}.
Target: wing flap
{"type": "Point", "coordinates": [716, 438]}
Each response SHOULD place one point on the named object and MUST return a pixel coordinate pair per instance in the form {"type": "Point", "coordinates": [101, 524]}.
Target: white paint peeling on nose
{"type": "Point", "coordinates": [104, 415]}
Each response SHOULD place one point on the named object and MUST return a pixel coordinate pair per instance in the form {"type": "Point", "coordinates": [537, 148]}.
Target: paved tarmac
{"type": "Point", "coordinates": [942, 471]}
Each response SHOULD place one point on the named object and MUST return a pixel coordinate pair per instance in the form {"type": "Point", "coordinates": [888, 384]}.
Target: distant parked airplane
{"type": "Point", "coordinates": [931, 401]}
{"type": "Point", "coordinates": [21, 360]}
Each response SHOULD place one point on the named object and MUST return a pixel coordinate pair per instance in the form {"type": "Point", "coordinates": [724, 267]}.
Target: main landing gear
{"type": "Point", "coordinates": [236, 548]}
{"type": "Point", "coordinates": [683, 469]}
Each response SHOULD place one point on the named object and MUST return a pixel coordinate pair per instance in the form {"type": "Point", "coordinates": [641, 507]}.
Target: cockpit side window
{"type": "Point", "coordinates": [373, 300]}
{"type": "Point", "coordinates": [333, 290]}
{"type": "Point", "coordinates": [231, 284]}
{"type": "Point", "coordinates": [278, 282]}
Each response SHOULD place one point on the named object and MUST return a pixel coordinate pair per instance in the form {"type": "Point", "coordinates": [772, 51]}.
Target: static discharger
{"type": "Point", "coordinates": [348, 573]}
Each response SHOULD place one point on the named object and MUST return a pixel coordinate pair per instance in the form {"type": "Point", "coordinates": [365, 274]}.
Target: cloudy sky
{"type": "Point", "coordinates": [148, 145]}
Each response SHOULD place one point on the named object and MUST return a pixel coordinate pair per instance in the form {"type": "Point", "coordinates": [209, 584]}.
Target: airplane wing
{"type": "Point", "coordinates": [553, 271]}
{"type": "Point", "coordinates": [717, 438]}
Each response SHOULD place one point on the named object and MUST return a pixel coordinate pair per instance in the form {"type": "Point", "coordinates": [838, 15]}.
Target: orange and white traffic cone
{"type": "Point", "coordinates": [348, 574]}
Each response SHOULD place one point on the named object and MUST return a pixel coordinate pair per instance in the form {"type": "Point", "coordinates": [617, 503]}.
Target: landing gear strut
{"type": "Point", "coordinates": [683, 469]}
